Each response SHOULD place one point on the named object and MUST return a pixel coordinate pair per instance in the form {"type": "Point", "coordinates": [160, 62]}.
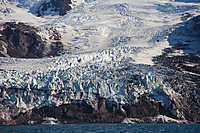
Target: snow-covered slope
{"type": "Point", "coordinates": [94, 25]}
{"type": "Point", "coordinates": [186, 36]}
{"type": "Point", "coordinates": [112, 44]}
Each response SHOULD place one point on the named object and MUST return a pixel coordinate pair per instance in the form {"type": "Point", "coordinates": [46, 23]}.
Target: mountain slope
{"type": "Point", "coordinates": [22, 41]}
{"type": "Point", "coordinates": [104, 72]}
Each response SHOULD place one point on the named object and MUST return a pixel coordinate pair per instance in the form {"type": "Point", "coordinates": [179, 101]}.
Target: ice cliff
{"type": "Point", "coordinates": [78, 78]}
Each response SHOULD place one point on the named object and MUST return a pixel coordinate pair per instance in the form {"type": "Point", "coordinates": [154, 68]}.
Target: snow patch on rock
{"type": "Point", "coordinates": [165, 119]}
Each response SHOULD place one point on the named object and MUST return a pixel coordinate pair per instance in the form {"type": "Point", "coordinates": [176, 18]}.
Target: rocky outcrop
{"type": "Point", "coordinates": [171, 58]}
{"type": "Point", "coordinates": [184, 57]}
{"type": "Point", "coordinates": [23, 41]}
{"type": "Point", "coordinates": [52, 7]}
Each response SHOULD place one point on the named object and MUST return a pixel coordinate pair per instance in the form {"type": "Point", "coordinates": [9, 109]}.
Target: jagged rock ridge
{"type": "Point", "coordinates": [53, 6]}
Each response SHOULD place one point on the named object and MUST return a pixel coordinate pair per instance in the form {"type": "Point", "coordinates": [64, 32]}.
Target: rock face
{"type": "Point", "coordinates": [82, 112]}
{"type": "Point", "coordinates": [184, 57]}
{"type": "Point", "coordinates": [23, 41]}
{"type": "Point", "coordinates": [188, 63]}
{"type": "Point", "coordinates": [52, 6]}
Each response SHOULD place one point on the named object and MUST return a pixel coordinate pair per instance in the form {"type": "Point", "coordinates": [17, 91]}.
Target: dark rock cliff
{"type": "Point", "coordinates": [23, 41]}
{"type": "Point", "coordinates": [82, 112]}
{"type": "Point", "coordinates": [60, 6]}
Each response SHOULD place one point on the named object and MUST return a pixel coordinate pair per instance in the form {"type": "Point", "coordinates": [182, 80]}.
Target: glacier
{"type": "Point", "coordinates": [112, 44]}
{"type": "Point", "coordinates": [85, 77]}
